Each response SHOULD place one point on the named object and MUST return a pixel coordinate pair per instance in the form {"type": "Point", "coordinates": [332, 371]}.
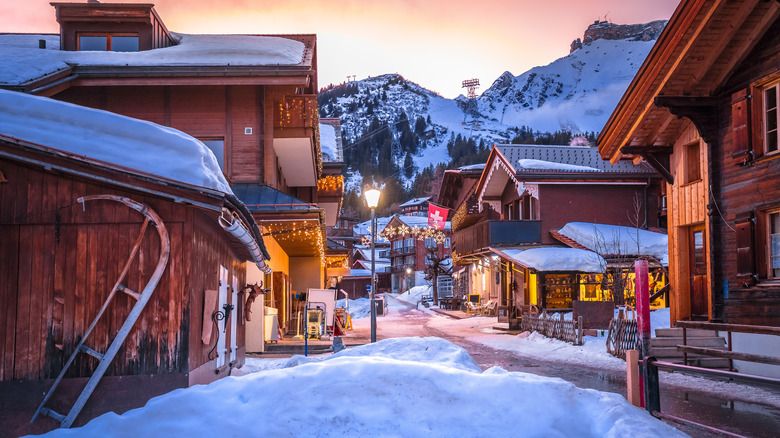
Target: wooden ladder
{"type": "Point", "coordinates": [141, 300]}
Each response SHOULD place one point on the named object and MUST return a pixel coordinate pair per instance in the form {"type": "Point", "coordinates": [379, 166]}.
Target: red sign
{"type": "Point", "coordinates": [437, 216]}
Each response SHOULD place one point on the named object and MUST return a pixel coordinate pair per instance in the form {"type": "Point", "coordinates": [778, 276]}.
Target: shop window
{"type": "Point", "coordinates": [692, 163]}
{"type": "Point", "coordinates": [108, 42]}
{"type": "Point", "coordinates": [771, 118]}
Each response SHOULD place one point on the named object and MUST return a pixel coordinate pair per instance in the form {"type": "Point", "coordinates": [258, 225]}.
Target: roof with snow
{"type": "Point", "coordinates": [557, 259]}
{"type": "Point", "coordinates": [330, 140]}
{"type": "Point", "coordinates": [417, 221]}
{"type": "Point", "coordinates": [613, 240]}
{"type": "Point", "coordinates": [565, 159]}
{"type": "Point", "coordinates": [415, 201]}
{"type": "Point", "coordinates": [111, 138]}
{"type": "Point", "coordinates": [24, 62]}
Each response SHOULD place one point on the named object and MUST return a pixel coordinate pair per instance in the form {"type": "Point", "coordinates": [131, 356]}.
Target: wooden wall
{"type": "Point", "coordinates": [686, 206]}
{"type": "Point", "coordinates": [200, 111]}
{"type": "Point", "coordinates": [60, 260]}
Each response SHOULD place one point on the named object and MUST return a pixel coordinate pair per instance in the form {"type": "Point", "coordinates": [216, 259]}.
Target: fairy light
{"type": "Point", "coordinates": [330, 183]}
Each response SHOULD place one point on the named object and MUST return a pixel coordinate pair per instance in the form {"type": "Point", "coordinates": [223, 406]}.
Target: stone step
{"type": "Point", "coordinates": [677, 331]}
{"type": "Point", "coordinates": [713, 341]}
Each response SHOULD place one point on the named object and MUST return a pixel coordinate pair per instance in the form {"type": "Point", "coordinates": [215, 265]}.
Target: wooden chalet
{"type": "Point", "coordinates": [522, 194]}
{"type": "Point", "coordinates": [703, 111]}
{"type": "Point", "coordinates": [415, 207]}
{"type": "Point", "coordinates": [252, 99]}
{"type": "Point", "coordinates": [72, 231]}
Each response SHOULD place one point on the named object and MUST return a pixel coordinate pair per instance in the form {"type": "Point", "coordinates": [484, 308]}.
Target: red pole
{"type": "Point", "coordinates": [642, 295]}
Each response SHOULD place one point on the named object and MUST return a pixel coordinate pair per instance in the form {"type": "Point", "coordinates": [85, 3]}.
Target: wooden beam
{"type": "Point", "coordinates": [701, 110]}
{"type": "Point", "coordinates": [638, 150]}
{"type": "Point", "coordinates": [653, 161]}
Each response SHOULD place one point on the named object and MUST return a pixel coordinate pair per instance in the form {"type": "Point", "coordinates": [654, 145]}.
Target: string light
{"type": "Point", "coordinates": [291, 232]}
{"type": "Point", "coordinates": [330, 183]}
{"type": "Point", "coordinates": [301, 111]}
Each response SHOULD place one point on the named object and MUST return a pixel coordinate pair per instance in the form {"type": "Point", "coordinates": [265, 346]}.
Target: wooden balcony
{"type": "Point", "coordinates": [496, 234]}
{"type": "Point", "coordinates": [296, 139]}
{"type": "Point", "coordinates": [297, 111]}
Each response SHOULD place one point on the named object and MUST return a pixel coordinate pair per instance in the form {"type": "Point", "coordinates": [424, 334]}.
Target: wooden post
{"type": "Point", "coordinates": [579, 330]}
{"type": "Point", "coordinates": [642, 293]}
{"type": "Point", "coordinates": [632, 378]}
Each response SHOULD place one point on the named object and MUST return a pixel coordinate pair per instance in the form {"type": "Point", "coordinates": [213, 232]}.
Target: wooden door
{"type": "Point", "coordinates": [697, 251]}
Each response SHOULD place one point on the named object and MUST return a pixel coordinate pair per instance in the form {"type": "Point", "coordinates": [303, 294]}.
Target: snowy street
{"type": "Point", "coordinates": [417, 381]}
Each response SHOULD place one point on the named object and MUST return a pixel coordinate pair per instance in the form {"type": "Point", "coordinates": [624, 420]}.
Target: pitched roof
{"type": "Point", "coordinates": [415, 201]}
{"type": "Point", "coordinates": [552, 159]}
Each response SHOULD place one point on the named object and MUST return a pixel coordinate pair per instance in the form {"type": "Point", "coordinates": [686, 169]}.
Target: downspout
{"type": "Point", "coordinates": [234, 226]}
{"type": "Point", "coordinates": [646, 187]}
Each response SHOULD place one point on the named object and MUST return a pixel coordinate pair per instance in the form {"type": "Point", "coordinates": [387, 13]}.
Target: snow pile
{"type": "Point", "coordinates": [109, 137]}
{"type": "Point", "coordinates": [528, 164]}
{"type": "Point", "coordinates": [558, 259]}
{"type": "Point", "coordinates": [24, 61]}
{"type": "Point", "coordinates": [616, 239]}
{"type": "Point", "coordinates": [414, 294]}
{"type": "Point", "coordinates": [404, 388]}
{"type": "Point", "coordinates": [358, 308]}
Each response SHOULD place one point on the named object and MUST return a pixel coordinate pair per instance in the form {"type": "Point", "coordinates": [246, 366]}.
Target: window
{"type": "Point", "coordinates": [108, 42]}
{"type": "Point", "coordinates": [217, 146]}
{"type": "Point", "coordinates": [771, 118]}
{"type": "Point", "coordinates": [398, 244]}
{"type": "Point", "coordinates": [692, 163]}
{"type": "Point", "coordinates": [447, 242]}
{"type": "Point", "coordinates": [409, 260]}
{"type": "Point", "coordinates": [430, 242]}
{"type": "Point", "coordinates": [774, 244]}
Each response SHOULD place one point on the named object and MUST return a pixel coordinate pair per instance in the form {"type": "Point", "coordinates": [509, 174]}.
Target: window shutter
{"type": "Point", "coordinates": [740, 123]}
{"type": "Point", "coordinates": [746, 266]}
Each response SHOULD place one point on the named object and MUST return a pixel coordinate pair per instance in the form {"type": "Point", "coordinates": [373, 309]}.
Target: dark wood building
{"type": "Point", "coordinates": [66, 232]}
{"type": "Point", "coordinates": [703, 109]}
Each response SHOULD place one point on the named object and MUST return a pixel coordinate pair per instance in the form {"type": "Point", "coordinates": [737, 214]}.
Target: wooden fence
{"type": "Point", "coordinates": [552, 327]}
{"type": "Point", "coordinates": [622, 335]}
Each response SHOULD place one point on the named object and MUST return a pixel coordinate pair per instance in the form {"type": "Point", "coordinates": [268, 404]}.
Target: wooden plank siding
{"type": "Point", "coordinates": [687, 206]}
{"type": "Point", "coordinates": [200, 111]}
{"type": "Point", "coordinates": [60, 260]}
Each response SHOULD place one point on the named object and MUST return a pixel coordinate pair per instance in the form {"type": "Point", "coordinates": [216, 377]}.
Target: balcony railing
{"type": "Point", "coordinates": [402, 251]}
{"type": "Point", "coordinates": [298, 111]}
{"type": "Point", "coordinates": [496, 233]}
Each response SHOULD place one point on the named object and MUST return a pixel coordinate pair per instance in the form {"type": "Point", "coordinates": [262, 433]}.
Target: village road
{"type": "Point", "coordinates": [741, 417]}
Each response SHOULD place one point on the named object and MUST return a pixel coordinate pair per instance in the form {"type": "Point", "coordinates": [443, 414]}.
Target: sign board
{"type": "Point", "coordinates": [327, 296]}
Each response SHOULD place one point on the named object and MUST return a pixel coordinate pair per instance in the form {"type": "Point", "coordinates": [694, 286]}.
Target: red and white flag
{"type": "Point", "coordinates": [437, 216]}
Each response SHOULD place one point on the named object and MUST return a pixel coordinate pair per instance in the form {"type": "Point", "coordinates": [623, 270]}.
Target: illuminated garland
{"type": "Point", "coordinates": [330, 183]}
{"type": "Point", "coordinates": [300, 234]}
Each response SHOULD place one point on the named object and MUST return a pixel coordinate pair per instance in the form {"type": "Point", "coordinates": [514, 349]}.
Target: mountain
{"type": "Point", "coordinates": [398, 123]}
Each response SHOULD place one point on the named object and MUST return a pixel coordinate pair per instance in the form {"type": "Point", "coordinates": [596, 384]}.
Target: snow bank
{"type": "Point", "coordinates": [109, 137]}
{"type": "Point", "coordinates": [558, 259]}
{"type": "Point", "coordinates": [398, 388]}
{"type": "Point", "coordinates": [24, 61]}
{"type": "Point", "coordinates": [358, 308]}
{"type": "Point", "coordinates": [616, 239]}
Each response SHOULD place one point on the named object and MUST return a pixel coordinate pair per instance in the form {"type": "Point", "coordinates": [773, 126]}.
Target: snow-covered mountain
{"type": "Point", "coordinates": [577, 93]}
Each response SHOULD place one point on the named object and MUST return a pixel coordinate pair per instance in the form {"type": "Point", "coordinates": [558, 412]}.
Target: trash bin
{"type": "Point", "coordinates": [379, 303]}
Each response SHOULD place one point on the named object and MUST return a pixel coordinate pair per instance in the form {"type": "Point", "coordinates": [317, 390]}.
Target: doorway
{"type": "Point", "coordinates": [697, 261]}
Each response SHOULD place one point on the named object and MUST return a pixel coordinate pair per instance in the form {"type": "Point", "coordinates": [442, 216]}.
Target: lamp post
{"type": "Point", "coordinates": [372, 199]}
{"type": "Point", "coordinates": [408, 272]}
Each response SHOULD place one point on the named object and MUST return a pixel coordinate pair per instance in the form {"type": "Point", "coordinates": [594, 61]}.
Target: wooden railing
{"type": "Point", "coordinates": [297, 111]}
{"type": "Point", "coordinates": [496, 233]}
{"type": "Point", "coordinates": [622, 335]}
{"type": "Point", "coordinates": [554, 327]}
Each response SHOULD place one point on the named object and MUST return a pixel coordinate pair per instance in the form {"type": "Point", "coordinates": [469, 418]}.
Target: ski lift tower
{"type": "Point", "coordinates": [471, 87]}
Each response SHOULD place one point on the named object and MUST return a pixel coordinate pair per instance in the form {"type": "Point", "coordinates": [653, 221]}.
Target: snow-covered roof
{"type": "Point", "coordinates": [329, 143]}
{"type": "Point", "coordinates": [618, 240]}
{"type": "Point", "coordinates": [364, 228]}
{"type": "Point", "coordinates": [23, 61]}
{"type": "Point", "coordinates": [419, 221]}
{"type": "Point", "coordinates": [360, 273]}
{"type": "Point", "coordinates": [565, 159]}
{"type": "Point", "coordinates": [415, 201]}
{"type": "Point", "coordinates": [378, 266]}
{"type": "Point", "coordinates": [478, 166]}
{"type": "Point", "coordinates": [530, 164]}
{"type": "Point", "coordinates": [558, 259]}
{"type": "Point", "coordinates": [109, 137]}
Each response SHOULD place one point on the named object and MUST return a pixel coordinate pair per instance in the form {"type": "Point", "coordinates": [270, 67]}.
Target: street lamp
{"type": "Point", "coordinates": [372, 199]}
{"type": "Point", "coordinates": [408, 272]}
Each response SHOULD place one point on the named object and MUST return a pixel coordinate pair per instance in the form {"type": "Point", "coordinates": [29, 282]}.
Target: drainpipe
{"type": "Point", "coordinates": [645, 205]}
{"type": "Point", "coordinates": [239, 231]}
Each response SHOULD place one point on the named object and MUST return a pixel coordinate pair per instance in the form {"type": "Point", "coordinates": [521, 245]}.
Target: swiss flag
{"type": "Point", "coordinates": [437, 216]}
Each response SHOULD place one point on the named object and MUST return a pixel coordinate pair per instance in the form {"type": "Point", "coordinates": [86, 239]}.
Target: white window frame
{"type": "Point", "coordinates": [769, 236]}
{"type": "Point", "coordinates": [765, 117]}
{"type": "Point", "coordinates": [221, 342]}
{"type": "Point", "coordinates": [234, 321]}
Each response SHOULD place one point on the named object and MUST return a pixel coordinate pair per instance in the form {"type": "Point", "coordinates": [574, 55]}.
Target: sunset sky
{"type": "Point", "coordinates": [436, 43]}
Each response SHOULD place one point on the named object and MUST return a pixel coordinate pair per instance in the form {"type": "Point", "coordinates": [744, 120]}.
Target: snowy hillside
{"type": "Point", "coordinates": [576, 93]}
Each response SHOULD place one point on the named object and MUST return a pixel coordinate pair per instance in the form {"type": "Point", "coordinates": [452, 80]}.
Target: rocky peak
{"type": "Point", "coordinates": [611, 31]}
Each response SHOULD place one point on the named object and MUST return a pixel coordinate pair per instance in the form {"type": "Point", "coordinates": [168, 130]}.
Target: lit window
{"type": "Point", "coordinates": [771, 117]}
